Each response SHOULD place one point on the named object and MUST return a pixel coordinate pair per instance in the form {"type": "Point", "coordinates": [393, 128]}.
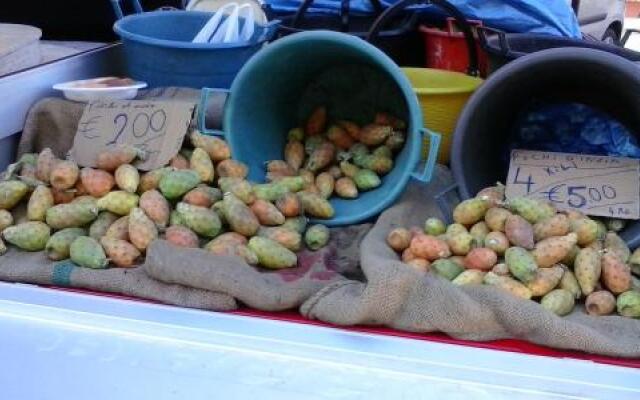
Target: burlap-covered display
{"type": "Point", "coordinates": [357, 279]}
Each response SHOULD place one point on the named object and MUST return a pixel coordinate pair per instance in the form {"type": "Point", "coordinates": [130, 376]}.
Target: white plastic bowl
{"type": "Point", "coordinates": [82, 92]}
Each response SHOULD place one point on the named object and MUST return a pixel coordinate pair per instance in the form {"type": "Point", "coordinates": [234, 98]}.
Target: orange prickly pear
{"type": "Point", "coordinates": [289, 205]}
{"type": "Point", "coordinates": [373, 134]}
{"type": "Point", "coordinates": [96, 182]}
{"type": "Point", "coordinates": [317, 121]}
{"type": "Point", "coordinates": [120, 252]}
{"type": "Point", "coordinates": [142, 230]}
{"type": "Point", "coordinates": [203, 196]}
{"type": "Point", "coordinates": [321, 157]}
{"type": "Point", "coordinates": [111, 159]}
{"type": "Point", "coordinates": [616, 275]}
{"type": "Point", "coordinates": [346, 188]}
{"type": "Point", "coordinates": [156, 207]}
{"type": "Point", "coordinates": [179, 162]}
{"type": "Point", "coordinates": [217, 148]}
{"type": "Point", "coordinates": [351, 128]}
{"type": "Point", "coordinates": [267, 213]}
{"type": "Point", "coordinates": [280, 168]}
{"type": "Point", "coordinates": [232, 169]}
{"type": "Point", "coordinates": [64, 175]}
{"type": "Point", "coordinates": [294, 154]}
{"type": "Point", "coordinates": [44, 164]}
{"type": "Point", "coordinates": [339, 137]}
{"type": "Point", "coordinates": [181, 236]}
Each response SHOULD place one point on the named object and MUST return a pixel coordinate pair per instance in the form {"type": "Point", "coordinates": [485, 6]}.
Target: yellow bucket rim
{"type": "Point", "coordinates": [463, 83]}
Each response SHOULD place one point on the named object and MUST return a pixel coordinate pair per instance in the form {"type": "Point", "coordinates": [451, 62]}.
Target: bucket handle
{"type": "Point", "coordinates": [502, 39]}
{"type": "Point", "coordinates": [446, 6]}
{"type": "Point", "coordinates": [205, 93]}
{"type": "Point", "coordinates": [344, 13]}
{"type": "Point", "coordinates": [425, 173]}
{"type": "Point", "coordinates": [117, 8]}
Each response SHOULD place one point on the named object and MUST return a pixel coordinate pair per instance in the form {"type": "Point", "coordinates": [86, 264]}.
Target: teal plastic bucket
{"type": "Point", "coordinates": [280, 86]}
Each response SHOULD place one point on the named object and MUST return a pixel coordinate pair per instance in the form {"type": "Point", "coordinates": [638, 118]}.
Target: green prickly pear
{"type": "Point", "coordinates": [201, 220]}
{"type": "Point", "coordinates": [272, 254]}
{"type": "Point", "coordinates": [29, 236]}
{"type": "Point", "coordinates": [88, 253]}
{"type": "Point", "coordinates": [521, 264]}
{"type": "Point", "coordinates": [59, 243]}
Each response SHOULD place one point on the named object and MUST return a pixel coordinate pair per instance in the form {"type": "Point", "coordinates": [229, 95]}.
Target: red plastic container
{"type": "Point", "coordinates": [447, 49]}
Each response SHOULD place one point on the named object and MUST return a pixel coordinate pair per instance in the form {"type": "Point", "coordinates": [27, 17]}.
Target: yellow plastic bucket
{"type": "Point", "coordinates": [442, 95]}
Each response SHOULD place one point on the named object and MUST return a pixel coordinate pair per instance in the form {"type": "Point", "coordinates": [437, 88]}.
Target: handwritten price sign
{"type": "Point", "coordinates": [158, 127]}
{"type": "Point", "coordinates": [594, 185]}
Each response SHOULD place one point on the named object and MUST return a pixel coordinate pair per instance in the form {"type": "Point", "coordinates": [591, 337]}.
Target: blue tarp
{"type": "Point", "coordinates": [554, 17]}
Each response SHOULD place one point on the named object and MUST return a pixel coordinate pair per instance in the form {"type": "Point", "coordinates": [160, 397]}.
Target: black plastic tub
{"type": "Point", "coordinates": [503, 48]}
{"type": "Point", "coordinates": [598, 79]}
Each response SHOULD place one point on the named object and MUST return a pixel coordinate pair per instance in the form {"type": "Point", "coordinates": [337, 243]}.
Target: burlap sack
{"type": "Point", "coordinates": [396, 296]}
{"type": "Point", "coordinates": [36, 268]}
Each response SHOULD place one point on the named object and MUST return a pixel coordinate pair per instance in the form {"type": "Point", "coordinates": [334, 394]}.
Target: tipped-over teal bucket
{"type": "Point", "coordinates": [280, 86]}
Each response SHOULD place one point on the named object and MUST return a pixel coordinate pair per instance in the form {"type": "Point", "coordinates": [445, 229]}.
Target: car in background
{"type": "Point", "coordinates": [601, 19]}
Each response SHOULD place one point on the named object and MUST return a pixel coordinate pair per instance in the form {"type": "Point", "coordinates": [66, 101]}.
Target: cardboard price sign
{"type": "Point", "coordinates": [157, 127]}
{"type": "Point", "coordinates": [595, 185]}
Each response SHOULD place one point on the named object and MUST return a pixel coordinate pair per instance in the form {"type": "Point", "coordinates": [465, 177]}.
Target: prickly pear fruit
{"type": "Point", "coordinates": [118, 202]}
{"type": "Point", "coordinates": [419, 264]}
{"type": "Point", "coordinates": [298, 224]}
{"type": "Point", "coordinates": [339, 137]}
{"type": "Point", "coordinates": [220, 246]}
{"type": "Point", "coordinates": [96, 182]}
{"type": "Point", "coordinates": [88, 253]}
{"type": "Point", "coordinates": [366, 179]}
{"type": "Point", "coordinates": [286, 237]}
{"type": "Point", "coordinates": [311, 143]}
{"type": "Point", "coordinates": [119, 229]}
{"type": "Point", "coordinates": [317, 121]}
{"type": "Point", "coordinates": [40, 201]}
{"type": "Point", "coordinates": [496, 218]}
{"type": "Point", "coordinates": [272, 254]}
{"type": "Point", "coordinates": [507, 284]}
{"type": "Point", "coordinates": [6, 219]}
{"type": "Point", "coordinates": [407, 255]}
{"type": "Point", "coordinates": [447, 269]}
{"type": "Point", "coordinates": [294, 154]}
{"type": "Point", "coordinates": [202, 164]}
{"type": "Point", "coordinates": [346, 188]}
{"type": "Point", "coordinates": [239, 216]}
{"type": "Point", "coordinates": [11, 192]}
{"type": "Point", "coordinates": [335, 172]}
{"type": "Point", "coordinates": [142, 230]}
{"type": "Point", "coordinates": [44, 164]}
{"type": "Point", "coordinates": [460, 243]}
{"type": "Point", "coordinates": [479, 231]}
{"type": "Point", "coordinates": [378, 164]}
{"type": "Point", "coordinates": [151, 179]}
{"type": "Point", "coordinates": [127, 178]}
{"type": "Point", "coordinates": [316, 205]}
{"type": "Point", "coordinates": [120, 252]}
{"type": "Point", "coordinates": [239, 187]}
{"type": "Point", "coordinates": [111, 159]}
{"type": "Point", "coordinates": [600, 303]}
{"type": "Point", "coordinates": [217, 148]}
{"type": "Point", "coordinates": [289, 205]}
{"type": "Point", "coordinates": [228, 237]}
{"type": "Point", "coordinates": [496, 241]}
{"type": "Point", "coordinates": [587, 268]}
{"type": "Point", "coordinates": [399, 239]}
{"type": "Point", "coordinates": [316, 237]}
{"type": "Point", "coordinates": [532, 210]}
{"type": "Point", "coordinates": [501, 269]}
{"type": "Point", "coordinates": [551, 251]}
{"type": "Point", "coordinates": [494, 195]}
{"type": "Point", "coordinates": [613, 244]}
{"type": "Point", "coordinates": [469, 277]}
{"type": "Point", "coordinates": [201, 220]}
{"type": "Point", "coordinates": [470, 211]}
{"type": "Point", "coordinates": [519, 232]}
{"type": "Point", "coordinates": [58, 245]}
{"type": "Point", "coordinates": [616, 225]}
{"type": "Point", "coordinates": [292, 183]}
{"type": "Point", "coordinates": [267, 213]}
{"type": "Point", "coordinates": [383, 151]}
{"type": "Point", "coordinates": [64, 175]}
{"type": "Point", "coordinates": [269, 191]}
{"type": "Point", "coordinates": [72, 215]}
{"type": "Point", "coordinates": [373, 134]}
{"type": "Point", "coordinates": [395, 141]}
{"type": "Point", "coordinates": [557, 225]}
{"type": "Point", "coordinates": [434, 226]}
{"type": "Point", "coordinates": [175, 184]}
{"type": "Point", "coordinates": [586, 229]}
{"type": "Point", "coordinates": [101, 225]}
{"type": "Point", "coordinates": [181, 236]}
{"type": "Point", "coordinates": [348, 170]}
{"type": "Point", "coordinates": [481, 258]}
{"type": "Point", "coordinates": [521, 264]}
{"type": "Point", "coordinates": [545, 280]}
{"type": "Point", "coordinates": [232, 169]}
{"type": "Point", "coordinates": [558, 301]}
{"type": "Point", "coordinates": [569, 282]}
{"type": "Point", "coordinates": [203, 196]}
{"type": "Point", "coordinates": [602, 230]}
{"type": "Point", "coordinates": [156, 207]}
{"type": "Point", "coordinates": [616, 275]}
{"type": "Point", "coordinates": [321, 157]}
{"type": "Point", "coordinates": [179, 162]}
{"type": "Point", "coordinates": [628, 304]}
{"type": "Point", "coordinates": [325, 183]}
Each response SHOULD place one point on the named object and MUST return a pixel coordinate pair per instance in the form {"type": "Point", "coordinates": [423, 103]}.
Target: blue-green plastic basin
{"type": "Point", "coordinates": [279, 86]}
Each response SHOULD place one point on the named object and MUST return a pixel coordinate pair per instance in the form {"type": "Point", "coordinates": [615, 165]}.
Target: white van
{"type": "Point", "coordinates": [601, 19]}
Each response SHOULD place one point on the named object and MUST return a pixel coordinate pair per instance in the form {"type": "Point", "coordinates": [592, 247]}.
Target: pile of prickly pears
{"type": "Point", "coordinates": [341, 158]}
{"type": "Point", "coordinates": [109, 215]}
{"type": "Point", "coordinates": [529, 249]}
